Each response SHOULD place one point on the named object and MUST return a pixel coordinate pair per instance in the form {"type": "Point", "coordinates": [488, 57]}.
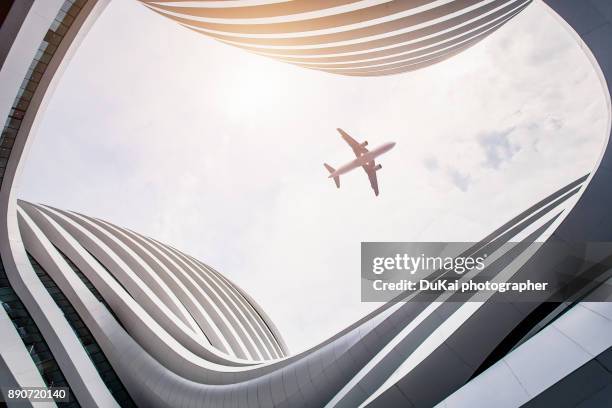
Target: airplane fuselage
{"type": "Point", "coordinates": [364, 160]}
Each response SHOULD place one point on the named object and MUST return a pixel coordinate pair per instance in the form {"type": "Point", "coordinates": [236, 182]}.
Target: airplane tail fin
{"type": "Point", "coordinates": [331, 171]}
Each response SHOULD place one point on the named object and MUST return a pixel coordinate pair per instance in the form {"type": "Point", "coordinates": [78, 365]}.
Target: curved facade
{"type": "Point", "coordinates": [125, 320]}
{"type": "Point", "coordinates": [179, 320]}
{"type": "Point", "coordinates": [201, 308]}
{"type": "Point", "coordinates": [348, 37]}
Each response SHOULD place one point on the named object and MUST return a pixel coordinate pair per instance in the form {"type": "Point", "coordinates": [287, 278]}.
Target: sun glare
{"type": "Point", "coordinates": [260, 85]}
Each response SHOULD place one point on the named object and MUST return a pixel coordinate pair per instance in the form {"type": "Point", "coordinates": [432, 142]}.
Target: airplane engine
{"type": "Point", "coordinates": [378, 167]}
{"type": "Point", "coordinates": [364, 144]}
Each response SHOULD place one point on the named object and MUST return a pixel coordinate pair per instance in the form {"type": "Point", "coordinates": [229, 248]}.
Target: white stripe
{"type": "Point", "coordinates": [342, 28]}
{"type": "Point", "coordinates": [236, 308]}
{"type": "Point", "coordinates": [230, 311]}
{"type": "Point", "coordinates": [383, 352]}
{"type": "Point", "coordinates": [202, 311]}
{"type": "Point", "coordinates": [495, 24]}
{"type": "Point", "coordinates": [326, 12]}
{"type": "Point", "coordinates": [358, 40]}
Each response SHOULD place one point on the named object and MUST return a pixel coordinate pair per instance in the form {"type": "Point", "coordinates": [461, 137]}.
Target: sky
{"type": "Point", "coordinates": [220, 153]}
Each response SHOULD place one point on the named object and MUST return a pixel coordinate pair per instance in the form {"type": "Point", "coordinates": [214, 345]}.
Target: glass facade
{"type": "Point", "coordinates": [62, 22]}
{"type": "Point", "coordinates": [23, 322]}
{"type": "Point", "coordinates": [93, 350]}
{"type": "Point", "coordinates": [33, 339]}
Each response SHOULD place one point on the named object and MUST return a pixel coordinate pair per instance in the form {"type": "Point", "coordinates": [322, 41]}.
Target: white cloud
{"type": "Point", "coordinates": [497, 147]}
{"type": "Point", "coordinates": [460, 180]}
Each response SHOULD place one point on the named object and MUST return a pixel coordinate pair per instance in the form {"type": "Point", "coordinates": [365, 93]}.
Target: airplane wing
{"type": "Point", "coordinates": [358, 148]}
{"type": "Point", "coordinates": [371, 172]}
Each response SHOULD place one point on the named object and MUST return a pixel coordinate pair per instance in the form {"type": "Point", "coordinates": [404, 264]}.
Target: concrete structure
{"type": "Point", "coordinates": [347, 37]}
{"type": "Point", "coordinates": [125, 320]}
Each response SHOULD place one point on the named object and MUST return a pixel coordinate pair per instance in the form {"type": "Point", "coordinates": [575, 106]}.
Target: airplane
{"type": "Point", "coordinates": [365, 159]}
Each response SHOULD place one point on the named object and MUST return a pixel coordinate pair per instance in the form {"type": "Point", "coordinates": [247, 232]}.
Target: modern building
{"type": "Point", "coordinates": [124, 320]}
{"type": "Point", "coordinates": [343, 37]}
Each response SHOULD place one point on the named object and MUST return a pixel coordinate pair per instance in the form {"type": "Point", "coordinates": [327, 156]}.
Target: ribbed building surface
{"type": "Point", "coordinates": [205, 312]}
{"type": "Point", "coordinates": [178, 320]}
{"type": "Point", "coordinates": [347, 37]}
{"type": "Point", "coordinates": [124, 320]}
